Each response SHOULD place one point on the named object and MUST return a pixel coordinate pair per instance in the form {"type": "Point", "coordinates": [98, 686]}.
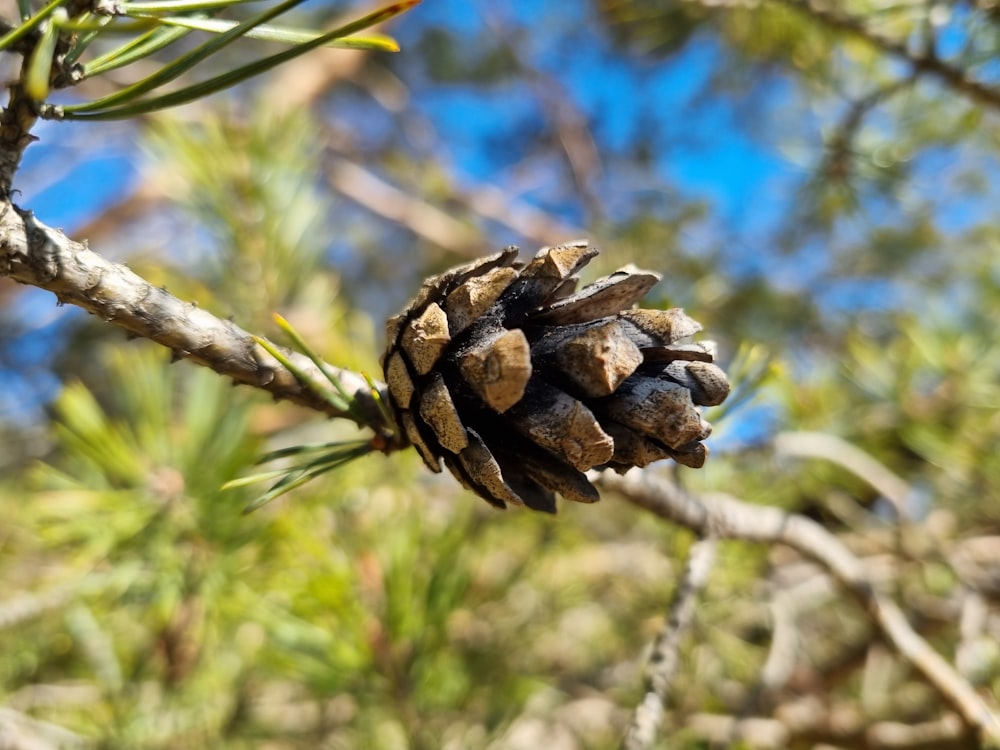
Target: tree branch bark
{"type": "Point", "coordinates": [33, 253]}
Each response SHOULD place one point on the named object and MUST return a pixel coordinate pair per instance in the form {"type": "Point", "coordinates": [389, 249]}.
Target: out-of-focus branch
{"type": "Point", "coordinates": [793, 666]}
{"type": "Point", "coordinates": [146, 195]}
{"type": "Point", "coordinates": [436, 226]}
{"type": "Point", "coordinates": [380, 197]}
{"type": "Point", "coordinates": [837, 161]}
{"type": "Point", "coordinates": [926, 62]}
{"type": "Point", "coordinates": [850, 457]}
{"type": "Point", "coordinates": [786, 636]}
{"type": "Point", "coordinates": [573, 133]}
{"type": "Point", "coordinates": [301, 83]}
{"type": "Point", "coordinates": [33, 253]}
{"type": "Point", "coordinates": [729, 518]}
{"type": "Point", "coordinates": [529, 221]}
{"type": "Point", "coordinates": [20, 731]}
{"type": "Point", "coordinates": [664, 660]}
{"type": "Point", "coordinates": [812, 723]}
{"type": "Point", "coordinates": [389, 202]}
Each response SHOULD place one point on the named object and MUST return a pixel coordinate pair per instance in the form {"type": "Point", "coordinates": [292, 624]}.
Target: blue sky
{"type": "Point", "coordinates": [721, 161]}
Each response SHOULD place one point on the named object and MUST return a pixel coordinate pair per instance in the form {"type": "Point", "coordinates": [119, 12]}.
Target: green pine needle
{"type": "Point", "coordinates": [128, 102]}
{"type": "Point", "coordinates": [376, 393]}
{"type": "Point", "coordinates": [174, 6]}
{"type": "Point", "coordinates": [341, 400]}
{"type": "Point", "coordinates": [319, 457]}
{"type": "Point", "coordinates": [87, 28]}
{"type": "Point", "coordinates": [182, 64]}
{"type": "Point", "coordinates": [300, 344]}
{"type": "Point", "coordinates": [284, 34]}
{"type": "Point", "coordinates": [141, 47]}
{"type": "Point", "coordinates": [36, 81]}
{"type": "Point", "coordinates": [329, 457]}
{"type": "Point", "coordinates": [30, 24]}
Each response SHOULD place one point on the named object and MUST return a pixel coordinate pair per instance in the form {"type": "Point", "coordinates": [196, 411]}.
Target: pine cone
{"type": "Point", "coordinates": [520, 384]}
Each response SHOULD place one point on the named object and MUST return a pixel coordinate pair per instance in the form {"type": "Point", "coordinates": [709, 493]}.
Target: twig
{"type": "Point", "coordinates": [791, 667]}
{"type": "Point", "coordinates": [664, 660]}
{"type": "Point", "coordinates": [33, 253]}
{"type": "Point", "coordinates": [730, 518]}
{"type": "Point", "coordinates": [531, 222]}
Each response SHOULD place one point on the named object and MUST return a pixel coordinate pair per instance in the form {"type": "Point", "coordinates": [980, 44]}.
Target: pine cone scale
{"type": "Point", "coordinates": [559, 423]}
{"type": "Point", "coordinates": [498, 368]}
{"type": "Point", "coordinates": [437, 410]}
{"type": "Point", "coordinates": [471, 300]}
{"type": "Point", "coordinates": [397, 377]}
{"type": "Point", "coordinates": [477, 469]}
{"type": "Point", "coordinates": [659, 409]}
{"type": "Point", "coordinates": [596, 360]}
{"type": "Point", "coordinates": [425, 337]}
{"type": "Point", "coordinates": [430, 456]}
{"type": "Point", "coordinates": [604, 298]}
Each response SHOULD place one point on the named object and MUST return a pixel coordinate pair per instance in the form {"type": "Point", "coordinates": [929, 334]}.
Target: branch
{"type": "Point", "coordinates": [33, 253]}
{"type": "Point", "coordinates": [664, 660]}
{"type": "Point", "coordinates": [729, 518]}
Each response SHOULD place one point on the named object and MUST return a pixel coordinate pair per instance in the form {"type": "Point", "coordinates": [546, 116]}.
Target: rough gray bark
{"type": "Point", "coordinates": [33, 253]}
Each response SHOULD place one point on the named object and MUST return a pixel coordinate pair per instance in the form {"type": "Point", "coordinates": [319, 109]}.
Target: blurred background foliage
{"type": "Point", "coordinates": [818, 185]}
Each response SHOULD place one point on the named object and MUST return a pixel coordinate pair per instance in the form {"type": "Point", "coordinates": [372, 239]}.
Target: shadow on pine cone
{"type": "Point", "coordinates": [520, 383]}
